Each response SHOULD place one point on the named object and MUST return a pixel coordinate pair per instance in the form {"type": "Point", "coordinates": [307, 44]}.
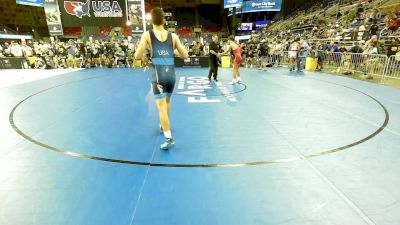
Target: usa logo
{"type": "Point", "coordinates": [163, 52]}
{"type": "Point", "coordinates": [78, 9]}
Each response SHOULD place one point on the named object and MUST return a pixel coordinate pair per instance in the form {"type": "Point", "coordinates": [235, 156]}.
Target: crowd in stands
{"type": "Point", "coordinates": [309, 34]}
{"type": "Point", "coordinates": [72, 53]}
{"type": "Point", "coordinates": [78, 54]}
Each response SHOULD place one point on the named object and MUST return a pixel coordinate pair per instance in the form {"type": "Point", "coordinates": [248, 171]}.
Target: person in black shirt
{"type": "Point", "coordinates": [338, 15]}
{"type": "Point", "coordinates": [214, 55]}
{"type": "Point", "coordinates": [356, 48]}
{"type": "Point", "coordinates": [81, 48]}
{"type": "Point", "coordinates": [360, 10]}
{"type": "Point", "coordinates": [263, 55]}
{"type": "Point", "coordinates": [373, 29]}
{"type": "Point", "coordinates": [356, 59]}
{"type": "Point", "coordinates": [109, 49]}
{"type": "Point", "coordinates": [109, 52]}
{"type": "Point", "coordinates": [124, 46]}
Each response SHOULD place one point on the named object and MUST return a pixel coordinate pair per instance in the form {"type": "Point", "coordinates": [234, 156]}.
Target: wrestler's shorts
{"type": "Point", "coordinates": [163, 81]}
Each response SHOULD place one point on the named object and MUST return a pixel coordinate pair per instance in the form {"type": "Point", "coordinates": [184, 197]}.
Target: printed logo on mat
{"type": "Point", "coordinates": [196, 87]}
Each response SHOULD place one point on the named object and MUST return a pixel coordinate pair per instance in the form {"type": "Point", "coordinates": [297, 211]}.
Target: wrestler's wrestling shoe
{"type": "Point", "coordinates": [168, 144]}
{"type": "Point", "coordinates": [234, 81]}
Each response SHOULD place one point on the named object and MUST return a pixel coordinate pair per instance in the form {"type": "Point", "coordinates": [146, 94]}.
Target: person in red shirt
{"type": "Point", "coordinates": [393, 24]}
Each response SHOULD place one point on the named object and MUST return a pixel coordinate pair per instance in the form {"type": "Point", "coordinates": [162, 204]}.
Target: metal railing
{"type": "Point", "coordinates": [331, 60]}
{"type": "Point", "coordinates": [369, 65]}
{"type": "Point", "coordinates": [392, 69]}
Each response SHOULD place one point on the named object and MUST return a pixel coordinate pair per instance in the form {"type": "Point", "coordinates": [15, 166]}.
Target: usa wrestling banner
{"type": "Point", "coordinates": [53, 17]}
{"type": "Point", "coordinates": [75, 13]}
{"type": "Point", "coordinates": [136, 15]}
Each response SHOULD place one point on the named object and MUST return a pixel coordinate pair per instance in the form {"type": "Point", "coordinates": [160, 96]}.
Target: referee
{"type": "Point", "coordinates": [214, 55]}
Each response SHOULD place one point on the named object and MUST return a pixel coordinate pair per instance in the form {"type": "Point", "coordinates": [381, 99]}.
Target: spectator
{"type": "Point", "coordinates": [37, 48]}
{"type": "Point", "coordinates": [315, 29]}
{"type": "Point", "coordinates": [71, 52]}
{"type": "Point", "coordinates": [7, 53]}
{"type": "Point", "coordinates": [271, 52]}
{"type": "Point", "coordinates": [313, 51]}
{"type": "Point", "coordinates": [373, 29]}
{"type": "Point", "coordinates": [131, 46]}
{"type": "Point", "coordinates": [130, 57]}
{"type": "Point", "coordinates": [393, 24]}
{"type": "Point", "coordinates": [81, 47]}
{"type": "Point", "coordinates": [263, 55]}
{"type": "Point", "coordinates": [370, 62]}
{"type": "Point", "coordinates": [79, 56]}
{"type": "Point", "coordinates": [302, 54]}
{"type": "Point", "coordinates": [26, 49]}
{"type": "Point", "coordinates": [119, 57]}
{"type": "Point", "coordinates": [362, 28]}
{"type": "Point", "coordinates": [334, 47]}
{"type": "Point", "coordinates": [27, 52]}
{"type": "Point", "coordinates": [16, 49]}
{"type": "Point", "coordinates": [278, 52]}
{"type": "Point", "coordinates": [6, 45]}
{"type": "Point", "coordinates": [374, 40]}
{"type": "Point", "coordinates": [394, 47]}
{"type": "Point", "coordinates": [293, 53]}
{"type": "Point", "coordinates": [206, 49]}
{"type": "Point", "coordinates": [342, 49]}
{"type": "Point", "coordinates": [356, 48]}
{"type": "Point", "coordinates": [371, 49]}
{"type": "Point", "coordinates": [97, 51]}
{"type": "Point", "coordinates": [360, 10]}
{"type": "Point", "coordinates": [196, 49]}
{"type": "Point", "coordinates": [187, 47]}
{"type": "Point", "coordinates": [124, 45]}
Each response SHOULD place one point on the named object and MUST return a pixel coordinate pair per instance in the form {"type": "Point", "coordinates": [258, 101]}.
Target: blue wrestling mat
{"type": "Point", "coordinates": [279, 148]}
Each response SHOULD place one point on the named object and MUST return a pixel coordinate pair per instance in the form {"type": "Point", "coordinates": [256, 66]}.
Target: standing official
{"type": "Point", "coordinates": [214, 55]}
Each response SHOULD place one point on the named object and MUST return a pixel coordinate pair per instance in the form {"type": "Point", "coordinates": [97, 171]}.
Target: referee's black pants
{"type": "Point", "coordinates": [213, 69]}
